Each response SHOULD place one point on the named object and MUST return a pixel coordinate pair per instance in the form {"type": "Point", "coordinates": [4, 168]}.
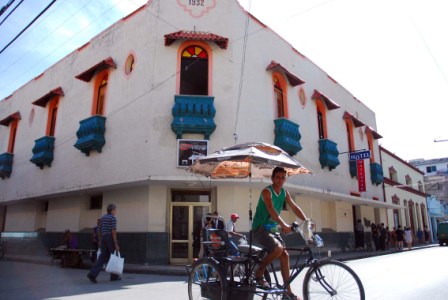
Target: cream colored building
{"type": "Point", "coordinates": [103, 125]}
{"type": "Point", "coordinates": [404, 186]}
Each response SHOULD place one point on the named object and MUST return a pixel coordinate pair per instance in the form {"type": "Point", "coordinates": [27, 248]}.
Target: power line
{"type": "Point", "coordinates": [23, 30]}
{"type": "Point", "coordinates": [11, 12]}
{"type": "Point", "coordinates": [4, 8]}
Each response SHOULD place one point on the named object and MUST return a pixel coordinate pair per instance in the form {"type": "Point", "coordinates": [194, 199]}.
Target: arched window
{"type": "Point", "coordinates": [321, 119]}
{"type": "Point", "coordinates": [52, 115]}
{"type": "Point", "coordinates": [350, 141]}
{"type": "Point", "coordinates": [100, 93]}
{"type": "Point", "coordinates": [280, 89]}
{"type": "Point", "coordinates": [194, 71]}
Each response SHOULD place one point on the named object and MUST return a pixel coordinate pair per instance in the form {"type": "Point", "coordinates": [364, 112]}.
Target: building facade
{"type": "Point", "coordinates": [404, 186]}
{"type": "Point", "coordinates": [121, 118]}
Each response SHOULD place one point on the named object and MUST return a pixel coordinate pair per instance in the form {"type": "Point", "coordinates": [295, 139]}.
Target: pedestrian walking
{"type": "Point", "coordinates": [393, 237]}
{"type": "Point", "coordinates": [382, 237]}
{"type": "Point", "coordinates": [399, 234]}
{"type": "Point", "coordinates": [375, 236]}
{"type": "Point", "coordinates": [359, 236]}
{"type": "Point", "coordinates": [419, 236]}
{"type": "Point", "coordinates": [409, 235]}
{"type": "Point", "coordinates": [109, 243]}
{"type": "Point", "coordinates": [388, 238]}
{"type": "Point", "coordinates": [426, 232]}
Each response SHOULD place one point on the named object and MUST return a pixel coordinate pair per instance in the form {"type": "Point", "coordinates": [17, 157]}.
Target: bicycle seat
{"type": "Point", "coordinates": [245, 249]}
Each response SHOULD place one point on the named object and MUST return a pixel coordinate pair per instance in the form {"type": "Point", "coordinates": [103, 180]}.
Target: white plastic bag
{"type": "Point", "coordinates": [115, 264]}
{"type": "Point", "coordinates": [98, 253]}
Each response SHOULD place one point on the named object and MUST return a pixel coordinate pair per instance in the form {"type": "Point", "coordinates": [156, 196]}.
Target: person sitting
{"type": "Point", "coordinates": [70, 241]}
{"type": "Point", "coordinates": [230, 228]}
{"type": "Point", "coordinates": [70, 259]}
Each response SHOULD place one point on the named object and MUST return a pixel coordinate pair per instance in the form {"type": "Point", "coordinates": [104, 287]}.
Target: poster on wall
{"type": "Point", "coordinates": [190, 150]}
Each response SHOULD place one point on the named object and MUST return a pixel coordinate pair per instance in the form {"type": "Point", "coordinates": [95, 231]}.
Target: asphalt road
{"type": "Point", "coordinates": [421, 274]}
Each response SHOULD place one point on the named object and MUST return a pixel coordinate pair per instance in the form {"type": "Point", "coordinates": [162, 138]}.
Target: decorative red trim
{"type": "Point", "coordinates": [403, 187]}
{"type": "Point", "coordinates": [39, 76]}
{"type": "Point", "coordinates": [10, 118]}
{"type": "Point", "coordinates": [42, 101]}
{"type": "Point", "coordinates": [355, 120]}
{"type": "Point", "coordinates": [332, 79]}
{"type": "Point", "coordinates": [401, 160]}
{"type": "Point", "coordinates": [395, 199]}
{"type": "Point", "coordinates": [297, 51]}
{"type": "Point", "coordinates": [293, 79]}
{"type": "Point", "coordinates": [375, 134]}
{"type": "Point", "coordinates": [257, 20]}
{"type": "Point", "coordinates": [125, 18]}
{"type": "Point", "coordinates": [355, 194]}
{"type": "Point", "coordinates": [221, 41]}
{"type": "Point", "coordinates": [328, 102]}
{"type": "Point", "coordinates": [88, 74]}
{"type": "Point", "coordinates": [83, 46]}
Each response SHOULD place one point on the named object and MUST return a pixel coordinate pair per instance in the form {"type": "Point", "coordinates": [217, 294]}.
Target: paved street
{"type": "Point", "coordinates": [420, 274]}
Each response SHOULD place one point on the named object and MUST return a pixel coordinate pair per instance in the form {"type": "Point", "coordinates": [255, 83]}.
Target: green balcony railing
{"type": "Point", "coordinates": [6, 164]}
{"type": "Point", "coordinates": [193, 114]}
{"type": "Point", "coordinates": [287, 136]}
{"type": "Point", "coordinates": [329, 153]}
{"type": "Point", "coordinates": [91, 134]}
{"type": "Point", "coordinates": [353, 168]}
{"type": "Point", "coordinates": [376, 173]}
{"type": "Point", "coordinates": [43, 151]}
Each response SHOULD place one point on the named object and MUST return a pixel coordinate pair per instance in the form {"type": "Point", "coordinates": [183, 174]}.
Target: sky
{"type": "Point", "coordinates": [390, 54]}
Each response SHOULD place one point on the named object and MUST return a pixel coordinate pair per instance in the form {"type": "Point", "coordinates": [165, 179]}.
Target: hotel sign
{"type": "Point", "coordinates": [359, 157]}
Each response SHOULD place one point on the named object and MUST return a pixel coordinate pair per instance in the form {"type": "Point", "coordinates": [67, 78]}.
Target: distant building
{"type": "Point", "coordinates": [436, 186]}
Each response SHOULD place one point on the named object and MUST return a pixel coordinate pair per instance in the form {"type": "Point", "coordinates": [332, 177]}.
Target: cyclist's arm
{"type": "Point", "coordinates": [295, 208]}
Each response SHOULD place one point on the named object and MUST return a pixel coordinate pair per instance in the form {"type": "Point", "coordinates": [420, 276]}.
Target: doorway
{"type": "Point", "coordinates": [188, 208]}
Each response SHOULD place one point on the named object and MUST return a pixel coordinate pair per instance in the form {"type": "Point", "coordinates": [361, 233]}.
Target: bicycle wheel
{"type": "Point", "coordinates": [206, 281]}
{"type": "Point", "coordinates": [331, 279]}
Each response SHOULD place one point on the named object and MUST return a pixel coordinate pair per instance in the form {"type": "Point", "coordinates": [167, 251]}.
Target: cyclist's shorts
{"type": "Point", "coordinates": [268, 240]}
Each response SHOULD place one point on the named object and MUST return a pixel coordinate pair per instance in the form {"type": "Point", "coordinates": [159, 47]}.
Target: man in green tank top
{"type": "Point", "coordinates": [264, 226]}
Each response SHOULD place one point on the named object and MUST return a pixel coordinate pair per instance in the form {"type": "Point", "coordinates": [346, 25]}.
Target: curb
{"type": "Point", "coordinates": [180, 270]}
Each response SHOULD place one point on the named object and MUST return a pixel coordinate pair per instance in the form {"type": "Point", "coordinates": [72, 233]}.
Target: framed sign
{"type": "Point", "coordinates": [190, 150]}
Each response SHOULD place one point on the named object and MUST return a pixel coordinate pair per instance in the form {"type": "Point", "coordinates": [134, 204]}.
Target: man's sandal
{"type": "Point", "coordinates": [290, 296]}
{"type": "Point", "coordinates": [261, 283]}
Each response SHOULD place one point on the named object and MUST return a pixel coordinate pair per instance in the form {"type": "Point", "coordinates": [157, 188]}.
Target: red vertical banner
{"type": "Point", "coordinates": [361, 175]}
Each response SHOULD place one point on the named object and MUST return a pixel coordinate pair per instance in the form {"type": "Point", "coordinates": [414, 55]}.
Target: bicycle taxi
{"type": "Point", "coordinates": [220, 276]}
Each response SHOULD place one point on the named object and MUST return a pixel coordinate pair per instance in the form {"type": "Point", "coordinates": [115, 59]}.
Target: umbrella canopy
{"type": "Point", "coordinates": [255, 160]}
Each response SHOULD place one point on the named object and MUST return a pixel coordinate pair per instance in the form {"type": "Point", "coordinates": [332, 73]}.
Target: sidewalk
{"type": "Point", "coordinates": [180, 270]}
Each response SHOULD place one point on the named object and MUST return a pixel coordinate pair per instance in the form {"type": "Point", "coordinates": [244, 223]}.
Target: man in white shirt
{"type": "Point", "coordinates": [230, 228]}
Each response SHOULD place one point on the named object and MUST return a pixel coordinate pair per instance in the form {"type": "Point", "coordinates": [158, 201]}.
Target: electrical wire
{"type": "Point", "coordinates": [31, 23]}
{"type": "Point", "coordinates": [4, 8]}
{"type": "Point", "coordinates": [10, 13]}
{"type": "Point", "coordinates": [243, 62]}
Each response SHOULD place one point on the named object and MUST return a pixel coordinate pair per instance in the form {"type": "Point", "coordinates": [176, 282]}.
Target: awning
{"type": "Point", "coordinates": [10, 118]}
{"type": "Point", "coordinates": [88, 74]}
{"type": "Point", "coordinates": [375, 134]}
{"type": "Point", "coordinates": [293, 79]}
{"type": "Point", "coordinates": [221, 41]}
{"type": "Point", "coordinates": [355, 120]}
{"type": "Point", "coordinates": [328, 102]}
{"type": "Point", "coordinates": [42, 101]}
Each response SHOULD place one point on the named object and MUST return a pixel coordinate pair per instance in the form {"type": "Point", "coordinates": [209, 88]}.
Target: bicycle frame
{"type": "Point", "coordinates": [298, 268]}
